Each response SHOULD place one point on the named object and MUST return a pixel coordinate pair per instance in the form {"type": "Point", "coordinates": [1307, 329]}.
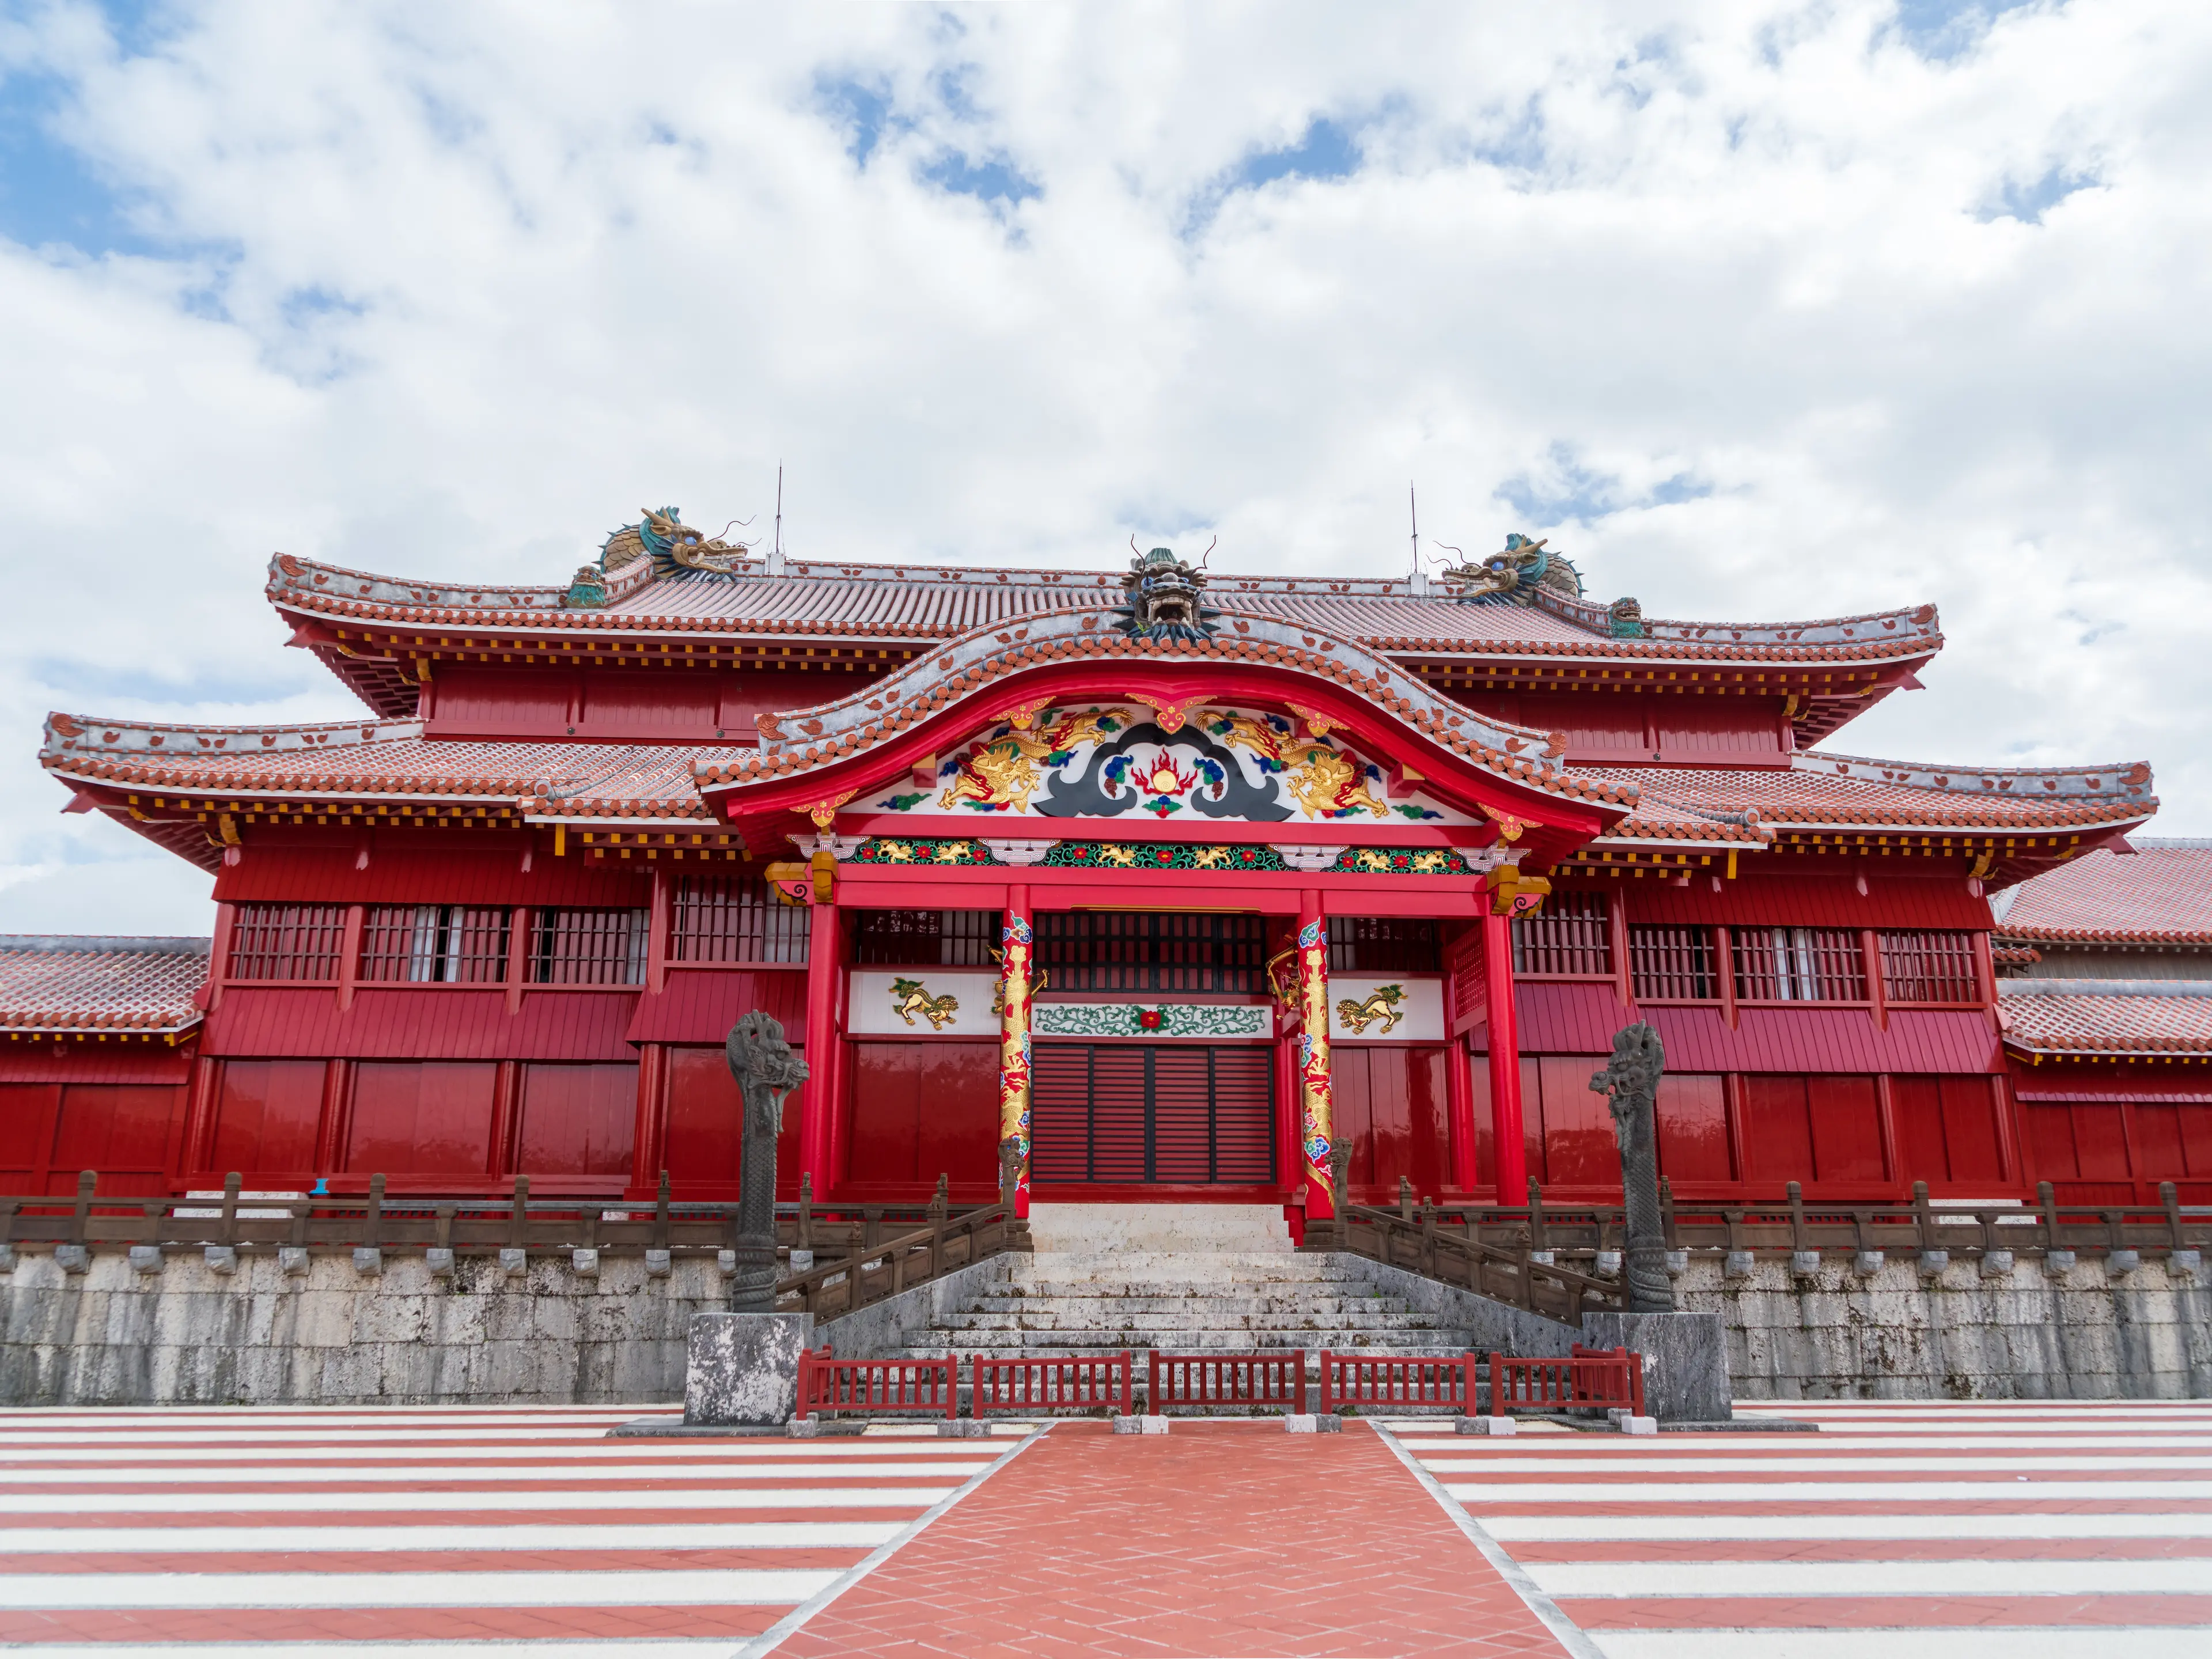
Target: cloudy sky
{"type": "Point", "coordinates": [1759, 309]}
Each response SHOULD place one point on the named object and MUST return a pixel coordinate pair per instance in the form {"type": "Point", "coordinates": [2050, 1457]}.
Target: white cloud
{"type": "Point", "coordinates": [1734, 288]}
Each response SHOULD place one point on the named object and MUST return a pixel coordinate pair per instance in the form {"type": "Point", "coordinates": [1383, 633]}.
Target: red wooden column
{"type": "Point", "coordinates": [1016, 949]}
{"type": "Point", "coordinates": [1316, 1098]}
{"type": "Point", "coordinates": [1459, 1112]}
{"type": "Point", "coordinates": [1504, 1057]}
{"type": "Point", "coordinates": [824, 951]}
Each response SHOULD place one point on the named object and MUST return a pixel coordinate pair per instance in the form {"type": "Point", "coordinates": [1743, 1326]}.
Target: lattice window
{"type": "Point", "coordinates": [436, 944]}
{"type": "Point", "coordinates": [588, 947]}
{"type": "Point", "coordinates": [926, 939]}
{"type": "Point", "coordinates": [287, 941]}
{"type": "Point", "coordinates": [1146, 951]}
{"type": "Point", "coordinates": [1671, 963]}
{"type": "Point", "coordinates": [1384, 945]}
{"type": "Point", "coordinates": [736, 921]}
{"type": "Point", "coordinates": [1799, 964]}
{"type": "Point", "coordinates": [1924, 965]}
{"type": "Point", "coordinates": [1570, 937]}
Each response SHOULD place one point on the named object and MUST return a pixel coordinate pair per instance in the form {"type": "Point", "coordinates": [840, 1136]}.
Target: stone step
{"type": "Point", "coordinates": [1054, 1290]}
{"type": "Point", "coordinates": [1196, 1319]}
{"type": "Point", "coordinates": [1330, 1296]}
{"type": "Point", "coordinates": [1162, 1307]}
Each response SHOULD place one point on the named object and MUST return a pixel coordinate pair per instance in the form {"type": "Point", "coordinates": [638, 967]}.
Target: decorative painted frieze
{"type": "Point", "coordinates": [1214, 1020]}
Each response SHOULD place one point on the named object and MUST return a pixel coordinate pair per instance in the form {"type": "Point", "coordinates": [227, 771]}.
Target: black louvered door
{"type": "Point", "coordinates": [1127, 1114]}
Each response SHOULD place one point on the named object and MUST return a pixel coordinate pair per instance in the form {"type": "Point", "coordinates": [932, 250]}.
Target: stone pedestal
{"type": "Point", "coordinates": [742, 1370]}
{"type": "Point", "coordinates": [1686, 1377]}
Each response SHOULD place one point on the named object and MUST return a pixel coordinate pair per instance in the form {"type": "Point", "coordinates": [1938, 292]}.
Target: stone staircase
{"type": "Point", "coordinates": [1197, 1302]}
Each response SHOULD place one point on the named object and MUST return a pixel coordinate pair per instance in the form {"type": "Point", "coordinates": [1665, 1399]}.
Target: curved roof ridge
{"type": "Point", "coordinates": [2117, 779]}
{"type": "Point", "coordinates": [68, 734]}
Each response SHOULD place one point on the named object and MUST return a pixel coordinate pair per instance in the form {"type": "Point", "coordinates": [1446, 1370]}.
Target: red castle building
{"type": "Point", "coordinates": [1170, 880]}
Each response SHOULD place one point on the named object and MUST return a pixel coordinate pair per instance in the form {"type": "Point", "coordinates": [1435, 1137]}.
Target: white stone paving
{"type": "Point", "coordinates": [1863, 1539]}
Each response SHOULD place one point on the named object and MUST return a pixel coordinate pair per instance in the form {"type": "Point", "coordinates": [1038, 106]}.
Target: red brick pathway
{"type": "Point", "coordinates": [1219, 1539]}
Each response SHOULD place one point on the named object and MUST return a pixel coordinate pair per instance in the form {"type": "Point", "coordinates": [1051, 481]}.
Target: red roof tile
{"type": "Point", "coordinates": [61, 983]}
{"type": "Point", "coordinates": [2161, 893]}
{"type": "Point", "coordinates": [2107, 1016]}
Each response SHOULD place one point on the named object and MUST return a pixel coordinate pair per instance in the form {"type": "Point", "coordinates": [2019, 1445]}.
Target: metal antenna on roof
{"type": "Point", "coordinates": [775, 558]}
{"type": "Point", "coordinates": [1413, 513]}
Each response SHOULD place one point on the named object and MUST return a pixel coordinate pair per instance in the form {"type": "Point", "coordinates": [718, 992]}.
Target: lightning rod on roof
{"type": "Point", "coordinates": [776, 557]}
{"type": "Point", "coordinates": [1413, 513]}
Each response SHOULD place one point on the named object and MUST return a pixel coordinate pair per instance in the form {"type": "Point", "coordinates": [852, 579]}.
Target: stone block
{"type": "Point", "coordinates": [1327, 1423]}
{"type": "Point", "coordinates": [2059, 1263]}
{"type": "Point", "coordinates": [725, 1263]}
{"type": "Point", "coordinates": [146, 1258]}
{"type": "Point", "coordinates": [2119, 1263]}
{"type": "Point", "coordinates": [1933, 1263]}
{"type": "Point", "coordinates": [1678, 1263]}
{"type": "Point", "coordinates": [1737, 1265]}
{"type": "Point", "coordinates": [1685, 1374]}
{"type": "Point", "coordinates": [369, 1261]}
{"type": "Point", "coordinates": [513, 1261]}
{"type": "Point", "coordinates": [802, 1261]}
{"type": "Point", "coordinates": [1996, 1264]}
{"type": "Point", "coordinates": [656, 1264]}
{"type": "Point", "coordinates": [1866, 1263]}
{"type": "Point", "coordinates": [1804, 1264]}
{"type": "Point", "coordinates": [72, 1258]}
{"type": "Point", "coordinates": [221, 1258]}
{"type": "Point", "coordinates": [1488, 1425]}
{"type": "Point", "coordinates": [1140, 1425]}
{"type": "Point", "coordinates": [963, 1428]}
{"type": "Point", "coordinates": [2186, 1264]}
{"type": "Point", "coordinates": [1544, 1258]}
{"type": "Point", "coordinates": [744, 1368]}
{"type": "Point", "coordinates": [1608, 1263]}
{"type": "Point", "coordinates": [439, 1260]}
{"type": "Point", "coordinates": [803, 1428]}
{"type": "Point", "coordinates": [292, 1259]}
{"type": "Point", "coordinates": [1639, 1426]}
{"type": "Point", "coordinates": [7, 1258]}
{"type": "Point", "coordinates": [585, 1264]}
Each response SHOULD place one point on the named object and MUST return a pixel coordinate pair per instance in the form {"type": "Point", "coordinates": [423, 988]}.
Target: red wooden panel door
{"type": "Point", "coordinates": [26, 1135]}
{"type": "Point", "coordinates": [886, 1093]}
{"type": "Point", "coordinates": [1692, 1114]}
{"type": "Point", "coordinates": [1243, 1115]}
{"type": "Point", "coordinates": [1846, 1128]}
{"type": "Point", "coordinates": [1183, 1114]}
{"type": "Point", "coordinates": [1425, 1148]}
{"type": "Point", "coordinates": [2197, 1143]}
{"type": "Point", "coordinates": [1579, 1147]}
{"type": "Point", "coordinates": [957, 1105]}
{"type": "Point", "coordinates": [704, 1113]}
{"type": "Point", "coordinates": [2101, 1142]}
{"type": "Point", "coordinates": [1059, 1112]}
{"type": "Point", "coordinates": [2051, 1144]}
{"type": "Point", "coordinates": [1352, 1098]}
{"type": "Point", "coordinates": [124, 1131]}
{"type": "Point", "coordinates": [266, 1115]}
{"type": "Point", "coordinates": [420, 1117]}
{"type": "Point", "coordinates": [1777, 1134]}
{"type": "Point", "coordinates": [1117, 1113]}
{"type": "Point", "coordinates": [1970, 1129]}
{"type": "Point", "coordinates": [1531, 1123]}
{"type": "Point", "coordinates": [578, 1119]}
{"type": "Point", "coordinates": [2158, 1142]}
{"type": "Point", "coordinates": [1919, 1108]}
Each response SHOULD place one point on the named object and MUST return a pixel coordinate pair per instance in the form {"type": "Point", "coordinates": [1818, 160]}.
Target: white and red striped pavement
{"type": "Point", "coordinates": [281, 1531]}
{"type": "Point", "coordinates": [1900, 1531]}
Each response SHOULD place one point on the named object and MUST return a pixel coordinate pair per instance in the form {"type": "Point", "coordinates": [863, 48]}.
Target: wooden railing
{"type": "Point", "coordinates": [466, 1225]}
{"type": "Point", "coordinates": [893, 1265]}
{"type": "Point", "coordinates": [913, 1388]}
{"type": "Point", "coordinates": [1056, 1382]}
{"type": "Point", "coordinates": [1521, 1254]}
{"type": "Point", "coordinates": [1398, 1382]}
{"type": "Point", "coordinates": [1588, 1379]}
{"type": "Point", "coordinates": [1231, 1381]}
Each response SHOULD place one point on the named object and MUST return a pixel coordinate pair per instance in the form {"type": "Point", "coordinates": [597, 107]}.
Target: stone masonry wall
{"type": "Point", "coordinates": [550, 1335]}
{"type": "Point", "coordinates": [333, 1336]}
{"type": "Point", "coordinates": [2082, 1334]}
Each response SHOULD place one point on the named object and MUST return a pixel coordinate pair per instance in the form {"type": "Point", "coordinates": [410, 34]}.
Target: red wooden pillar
{"type": "Point", "coordinates": [1459, 1113]}
{"type": "Point", "coordinates": [1504, 1059]}
{"type": "Point", "coordinates": [1016, 948]}
{"type": "Point", "coordinates": [649, 1138]}
{"type": "Point", "coordinates": [1317, 1096]}
{"type": "Point", "coordinates": [198, 1149]}
{"type": "Point", "coordinates": [816, 1138]}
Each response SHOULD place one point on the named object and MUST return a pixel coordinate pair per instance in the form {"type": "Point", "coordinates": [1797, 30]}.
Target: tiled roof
{"type": "Point", "coordinates": [2161, 894]}
{"type": "Point", "coordinates": [1823, 791]}
{"type": "Point", "coordinates": [2107, 1016]}
{"type": "Point", "coordinates": [927, 603]}
{"type": "Point", "coordinates": [61, 983]}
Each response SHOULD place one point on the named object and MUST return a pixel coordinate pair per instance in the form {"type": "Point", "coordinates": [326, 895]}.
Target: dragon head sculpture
{"type": "Point", "coordinates": [1513, 576]}
{"type": "Point", "coordinates": [673, 546]}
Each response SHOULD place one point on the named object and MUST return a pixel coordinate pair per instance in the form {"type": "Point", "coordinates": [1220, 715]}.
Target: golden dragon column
{"type": "Point", "coordinates": [1016, 949]}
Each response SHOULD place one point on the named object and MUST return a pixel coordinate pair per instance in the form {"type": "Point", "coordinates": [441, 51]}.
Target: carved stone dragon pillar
{"type": "Point", "coordinates": [766, 1072]}
{"type": "Point", "coordinates": [1631, 1080]}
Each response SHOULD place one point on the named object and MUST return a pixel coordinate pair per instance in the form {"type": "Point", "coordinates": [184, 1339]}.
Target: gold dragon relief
{"type": "Point", "coordinates": [1004, 773]}
{"type": "Point", "coordinates": [1382, 1005]}
{"type": "Point", "coordinates": [910, 998]}
{"type": "Point", "coordinates": [1327, 784]}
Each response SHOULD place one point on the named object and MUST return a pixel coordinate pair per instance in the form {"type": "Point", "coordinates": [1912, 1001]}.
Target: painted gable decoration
{"type": "Point", "coordinates": [1107, 762]}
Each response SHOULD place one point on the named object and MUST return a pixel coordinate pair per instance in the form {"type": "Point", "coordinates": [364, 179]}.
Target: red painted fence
{"type": "Point", "coordinates": [920, 1386]}
{"type": "Point", "coordinates": [1589, 1378]}
{"type": "Point", "coordinates": [1228, 1379]}
{"type": "Point", "coordinates": [1058, 1384]}
{"type": "Point", "coordinates": [1397, 1383]}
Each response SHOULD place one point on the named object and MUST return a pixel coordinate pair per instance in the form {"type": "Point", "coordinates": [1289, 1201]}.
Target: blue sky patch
{"type": "Point", "coordinates": [994, 180]}
{"type": "Point", "coordinates": [2028, 203]}
{"type": "Point", "coordinates": [1944, 29]}
{"type": "Point", "coordinates": [1571, 491]}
